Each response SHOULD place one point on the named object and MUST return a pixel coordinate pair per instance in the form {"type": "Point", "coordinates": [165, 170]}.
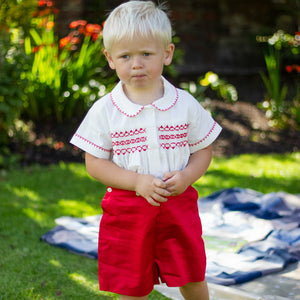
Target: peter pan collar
{"type": "Point", "coordinates": [130, 109]}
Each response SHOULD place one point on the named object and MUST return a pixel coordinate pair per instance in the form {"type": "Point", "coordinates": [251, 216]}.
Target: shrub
{"type": "Point", "coordinates": [12, 61]}
{"type": "Point", "coordinates": [278, 47]}
{"type": "Point", "coordinates": [67, 75]}
{"type": "Point", "coordinates": [211, 80]}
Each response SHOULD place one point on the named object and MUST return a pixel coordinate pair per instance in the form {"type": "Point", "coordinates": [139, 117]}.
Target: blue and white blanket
{"type": "Point", "coordinates": [247, 234]}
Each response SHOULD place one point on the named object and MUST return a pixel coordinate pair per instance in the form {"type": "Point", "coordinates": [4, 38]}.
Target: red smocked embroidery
{"type": "Point", "coordinates": [130, 150]}
{"type": "Point", "coordinates": [173, 136]}
{"type": "Point", "coordinates": [173, 128]}
{"type": "Point", "coordinates": [122, 134]}
{"type": "Point", "coordinates": [180, 137]}
{"type": "Point", "coordinates": [91, 143]}
{"type": "Point", "coordinates": [209, 133]}
{"type": "Point", "coordinates": [174, 145]}
{"type": "Point", "coordinates": [131, 141]}
{"type": "Point", "coordinates": [119, 140]}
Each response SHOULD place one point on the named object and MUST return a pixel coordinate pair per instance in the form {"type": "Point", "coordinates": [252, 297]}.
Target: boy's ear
{"type": "Point", "coordinates": [169, 54]}
{"type": "Point", "coordinates": [109, 59]}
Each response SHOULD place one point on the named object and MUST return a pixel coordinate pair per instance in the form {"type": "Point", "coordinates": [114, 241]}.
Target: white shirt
{"type": "Point", "coordinates": [150, 139]}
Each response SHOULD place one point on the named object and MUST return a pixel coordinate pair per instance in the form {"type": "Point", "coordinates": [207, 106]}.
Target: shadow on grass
{"type": "Point", "coordinates": [30, 201]}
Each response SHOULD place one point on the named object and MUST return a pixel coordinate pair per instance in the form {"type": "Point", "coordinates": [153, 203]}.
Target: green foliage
{"type": "Point", "coordinates": [278, 47]}
{"type": "Point", "coordinates": [276, 93]}
{"type": "Point", "coordinates": [12, 60]}
{"type": "Point", "coordinates": [66, 75]}
{"type": "Point", "coordinates": [224, 90]}
{"type": "Point", "coordinates": [16, 13]}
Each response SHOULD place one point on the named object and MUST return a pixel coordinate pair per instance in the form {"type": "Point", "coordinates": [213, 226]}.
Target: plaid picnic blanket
{"type": "Point", "coordinates": [247, 234]}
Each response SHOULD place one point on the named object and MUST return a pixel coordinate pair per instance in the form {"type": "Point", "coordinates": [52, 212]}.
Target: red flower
{"type": "Point", "coordinates": [35, 49]}
{"type": "Point", "coordinates": [44, 2]}
{"type": "Point", "coordinates": [41, 3]}
{"type": "Point", "coordinates": [95, 36]}
{"type": "Point", "coordinates": [55, 10]}
{"type": "Point", "coordinates": [58, 145]}
{"type": "Point", "coordinates": [289, 69]}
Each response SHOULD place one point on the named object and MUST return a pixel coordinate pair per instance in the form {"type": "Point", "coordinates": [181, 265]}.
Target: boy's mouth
{"type": "Point", "coordinates": [138, 75]}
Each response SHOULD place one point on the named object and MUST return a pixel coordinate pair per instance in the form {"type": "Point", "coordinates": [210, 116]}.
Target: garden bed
{"type": "Point", "coordinates": [245, 130]}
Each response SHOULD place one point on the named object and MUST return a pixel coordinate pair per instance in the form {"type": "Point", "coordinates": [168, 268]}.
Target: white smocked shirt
{"type": "Point", "coordinates": [150, 139]}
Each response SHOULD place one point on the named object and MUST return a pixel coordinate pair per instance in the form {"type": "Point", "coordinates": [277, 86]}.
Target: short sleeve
{"type": "Point", "coordinates": [203, 129]}
{"type": "Point", "coordinates": [93, 134]}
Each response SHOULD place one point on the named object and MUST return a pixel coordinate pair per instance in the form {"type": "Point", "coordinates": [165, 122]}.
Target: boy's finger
{"type": "Point", "coordinates": [152, 202]}
{"type": "Point", "coordinates": [160, 183]}
{"type": "Point", "coordinates": [163, 192]}
{"type": "Point", "coordinates": [159, 198]}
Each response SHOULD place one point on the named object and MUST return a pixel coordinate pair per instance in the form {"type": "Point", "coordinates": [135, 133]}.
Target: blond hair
{"type": "Point", "coordinates": [137, 18]}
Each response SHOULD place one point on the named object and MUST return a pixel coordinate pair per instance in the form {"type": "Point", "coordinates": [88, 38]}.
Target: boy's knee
{"type": "Point", "coordinates": [195, 291]}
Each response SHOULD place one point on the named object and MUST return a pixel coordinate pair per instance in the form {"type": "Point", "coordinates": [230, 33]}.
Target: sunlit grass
{"type": "Point", "coordinates": [32, 198]}
{"type": "Point", "coordinates": [264, 173]}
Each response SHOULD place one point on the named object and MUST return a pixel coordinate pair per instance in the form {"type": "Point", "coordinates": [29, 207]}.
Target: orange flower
{"type": "Point", "coordinates": [50, 25]}
{"type": "Point", "coordinates": [64, 41]}
{"type": "Point", "coordinates": [45, 12]}
{"type": "Point", "coordinates": [77, 23]}
{"type": "Point", "coordinates": [297, 68]}
{"type": "Point", "coordinates": [93, 28]}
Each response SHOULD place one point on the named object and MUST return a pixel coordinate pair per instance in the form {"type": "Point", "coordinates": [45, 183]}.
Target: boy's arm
{"type": "Point", "coordinates": [151, 188]}
{"type": "Point", "coordinates": [178, 181]}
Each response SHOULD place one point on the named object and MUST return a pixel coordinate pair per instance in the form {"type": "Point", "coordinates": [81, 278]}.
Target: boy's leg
{"type": "Point", "coordinates": [123, 297]}
{"type": "Point", "coordinates": [195, 291]}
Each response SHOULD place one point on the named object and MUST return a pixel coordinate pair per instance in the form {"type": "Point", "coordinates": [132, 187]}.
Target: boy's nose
{"type": "Point", "coordinates": [137, 63]}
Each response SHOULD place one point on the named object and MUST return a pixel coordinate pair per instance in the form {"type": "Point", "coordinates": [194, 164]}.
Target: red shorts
{"type": "Point", "coordinates": [140, 243]}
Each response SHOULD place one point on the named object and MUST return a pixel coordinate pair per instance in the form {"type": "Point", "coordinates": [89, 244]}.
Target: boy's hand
{"type": "Point", "coordinates": [152, 189]}
{"type": "Point", "coordinates": [176, 182]}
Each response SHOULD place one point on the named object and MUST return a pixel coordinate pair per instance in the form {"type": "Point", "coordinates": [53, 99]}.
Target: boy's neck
{"type": "Point", "coordinates": [144, 96]}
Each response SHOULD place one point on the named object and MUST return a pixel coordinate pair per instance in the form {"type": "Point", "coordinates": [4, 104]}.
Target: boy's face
{"type": "Point", "coordinates": [139, 63]}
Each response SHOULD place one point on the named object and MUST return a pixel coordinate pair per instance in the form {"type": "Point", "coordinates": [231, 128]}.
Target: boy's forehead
{"type": "Point", "coordinates": [137, 42]}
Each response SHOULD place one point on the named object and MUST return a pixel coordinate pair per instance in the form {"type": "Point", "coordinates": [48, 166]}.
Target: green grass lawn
{"type": "Point", "coordinates": [31, 199]}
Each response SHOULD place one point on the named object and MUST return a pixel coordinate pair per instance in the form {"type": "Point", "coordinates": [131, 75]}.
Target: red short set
{"type": "Point", "coordinates": [140, 243]}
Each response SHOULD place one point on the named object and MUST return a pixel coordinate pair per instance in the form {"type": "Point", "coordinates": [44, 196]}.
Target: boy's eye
{"type": "Point", "coordinates": [125, 56]}
{"type": "Point", "coordinates": [146, 54]}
